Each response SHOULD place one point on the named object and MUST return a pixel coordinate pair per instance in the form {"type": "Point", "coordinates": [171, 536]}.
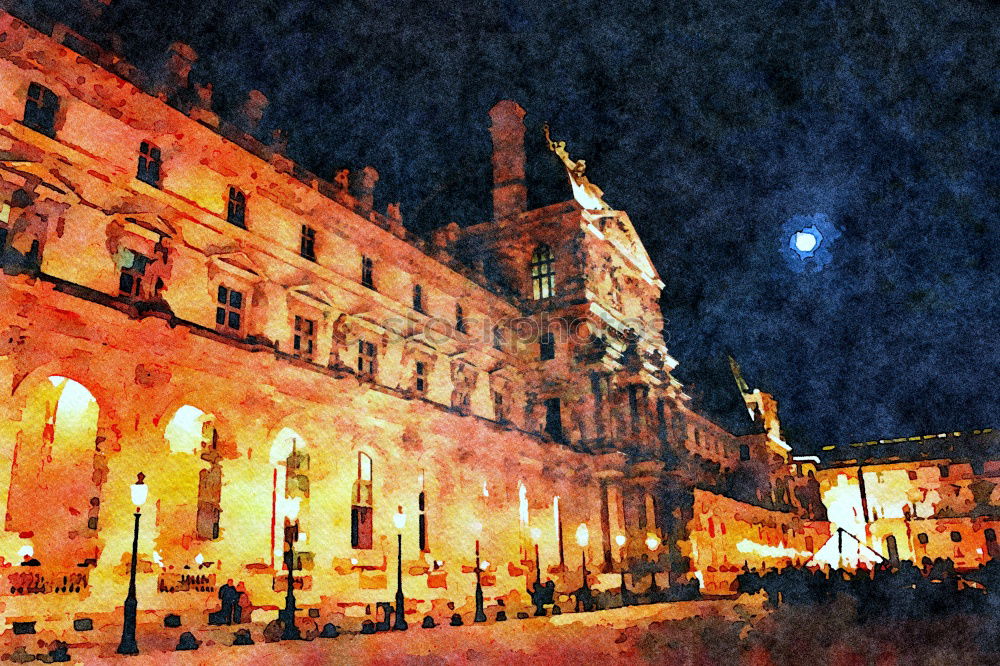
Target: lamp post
{"type": "Point", "coordinates": [399, 520]}
{"type": "Point", "coordinates": [480, 612]}
{"type": "Point", "coordinates": [620, 540]}
{"type": "Point", "coordinates": [128, 645]}
{"type": "Point", "coordinates": [583, 538]}
{"type": "Point", "coordinates": [289, 631]}
{"type": "Point", "coordinates": [653, 542]}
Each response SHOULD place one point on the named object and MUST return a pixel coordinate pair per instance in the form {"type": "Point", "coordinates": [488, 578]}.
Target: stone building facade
{"type": "Point", "coordinates": [180, 299]}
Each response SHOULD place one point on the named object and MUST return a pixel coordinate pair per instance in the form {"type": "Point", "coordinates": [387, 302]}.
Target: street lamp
{"type": "Point", "coordinates": [620, 540]}
{"type": "Point", "coordinates": [583, 538]}
{"type": "Point", "coordinates": [653, 542]}
{"type": "Point", "coordinates": [289, 631]}
{"type": "Point", "coordinates": [140, 491]}
{"type": "Point", "coordinates": [399, 520]}
{"type": "Point", "coordinates": [536, 535]}
{"type": "Point", "coordinates": [480, 612]}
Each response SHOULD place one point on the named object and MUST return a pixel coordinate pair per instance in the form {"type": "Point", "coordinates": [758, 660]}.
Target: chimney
{"type": "Point", "coordinates": [364, 187]}
{"type": "Point", "coordinates": [510, 195]}
{"type": "Point", "coordinates": [252, 111]}
{"type": "Point", "coordinates": [180, 57]}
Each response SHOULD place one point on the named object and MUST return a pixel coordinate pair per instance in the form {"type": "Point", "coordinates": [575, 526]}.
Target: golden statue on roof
{"type": "Point", "coordinates": [585, 192]}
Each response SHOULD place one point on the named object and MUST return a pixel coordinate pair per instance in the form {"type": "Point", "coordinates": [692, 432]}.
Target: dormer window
{"type": "Point", "coordinates": [149, 164]}
{"type": "Point", "coordinates": [543, 275]}
{"type": "Point", "coordinates": [236, 210]}
{"type": "Point", "coordinates": [40, 110]}
{"type": "Point", "coordinates": [418, 298]}
{"type": "Point", "coordinates": [367, 272]}
{"type": "Point", "coordinates": [307, 243]}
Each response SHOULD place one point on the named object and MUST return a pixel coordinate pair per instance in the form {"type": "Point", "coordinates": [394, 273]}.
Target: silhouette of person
{"type": "Point", "coordinates": [229, 597]}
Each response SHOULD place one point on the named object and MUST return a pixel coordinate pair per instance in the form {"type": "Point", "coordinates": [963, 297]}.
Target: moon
{"type": "Point", "coordinates": [805, 241]}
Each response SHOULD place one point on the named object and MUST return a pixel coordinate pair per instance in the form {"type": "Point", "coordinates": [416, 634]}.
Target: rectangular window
{"type": "Point", "coordinates": [460, 319]}
{"type": "Point", "coordinates": [943, 469]}
{"type": "Point", "coordinates": [744, 452]}
{"type": "Point", "coordinates": [366, 359]}
{"type": "Point", "coordinates": [956, 537]}
{"type": "Point", "coordinates": [422, 522]}
{"type": "Point", "coordinates": [547, 347]}
{"type": "Point", "coordinates": [498, 407]}
{"type": "Point", "coordinates": [553, 419]}
{"type": "Point", "coordinates": [130, 278]}
{"type": "Point", "coordinates": [361, 527]}
{"type": "Point", "coordinates": [40, 110]}
{"type": "Point", "coordinates": [633, 406]}
{"type": "Point", "coordinates": [367, 273]}
{"type": "Point", "coordinates": [149, 164]}
{"type": "Point", "coordinates": [498, 338]}
{"type": "Point", "coordinates": [307, 243]}
{"type": "Point", "coordinates": [922, 538]}
{"type": "Point", "coordinates": [421, 375]}
{"type": "Point", "coordinates": [418, 298]}
{"type": "Point", "coordinates": [229, 310]}
{"type": "Point", "coordinates": [236, 209]}
{"type": "Point", "coordinates": [304, 341]}
{"type": "Point", "coordinates": [361, 509]}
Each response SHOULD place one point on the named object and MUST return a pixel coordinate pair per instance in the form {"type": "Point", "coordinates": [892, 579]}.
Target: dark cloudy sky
{"type": "Point", "coordinates": [713, 123]}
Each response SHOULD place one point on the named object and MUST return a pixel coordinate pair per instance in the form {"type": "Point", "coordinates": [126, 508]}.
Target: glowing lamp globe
{"type": "Point", "coordinates": [582, 536]}
{"type": "Point", "coordinates": [484, 565]}
{"type": "Point", "coordinates": [536, 534]}
{"type": "Point", "coordinates": [652, 542]}
{"type": "Point", "coordinates": [477, 527]}
{"type": "Point", "coordinates": [399, 518]}
{"type": "Point", "coordinates": [620, 540]}
{"type": "Point", "coordinates": [140, 491]}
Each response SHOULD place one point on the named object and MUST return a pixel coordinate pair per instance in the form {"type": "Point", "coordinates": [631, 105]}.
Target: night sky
{"type": "Point", "coordinates": [722, 127]}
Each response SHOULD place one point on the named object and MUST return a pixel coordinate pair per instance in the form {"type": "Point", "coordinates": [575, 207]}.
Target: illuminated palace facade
{"type": "Point", "coordinates": [180, 299]}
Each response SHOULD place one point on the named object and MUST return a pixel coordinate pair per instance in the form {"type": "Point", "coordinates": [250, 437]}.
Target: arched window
{"type": "Point", "coordinates": [543, 273]}
{"type": "Point", "coordinates": [361, 506]}
{"type": "Point", "coordinates": [192, 432]}
{"type": "Point", "coordinates": [57, 473]}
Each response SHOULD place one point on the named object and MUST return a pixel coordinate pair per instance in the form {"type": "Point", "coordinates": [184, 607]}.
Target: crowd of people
{"type": "Point", "coordinates": [901, 590]}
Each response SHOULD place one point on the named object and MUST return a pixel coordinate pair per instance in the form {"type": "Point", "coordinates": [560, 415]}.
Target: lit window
{"type": "Point", "coordinates": [543, 273]}
{"type": "Point", "coordinates": [459, 319]}
{"type": "Point", "coordinates": [236, 209]}
{"type": "Point", "coordinates": [229, 310]}
{"type": "Point", "coordinates": [418, 298]}
{"type": "Point", "coordinates": [547, 347]}
{"type": "Point", "coordinates": [40, 110]}
{"type": "Point", "coordinates": [367, 273]}
{"type": "Point", "coordinates": [307, 243]}
{"type": "Point", "coordinates": [130, 278]}
{"type": "Point", "coordinates": [304, 341]}
{"type": "Point", "coordinates": [421, 377]}
{"type": "Point", "coordinates": [149, 164]}
{"type": "Point", "coordinates": [361, 506]}
{"type": "Point", "coordinates": [367, 359]}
